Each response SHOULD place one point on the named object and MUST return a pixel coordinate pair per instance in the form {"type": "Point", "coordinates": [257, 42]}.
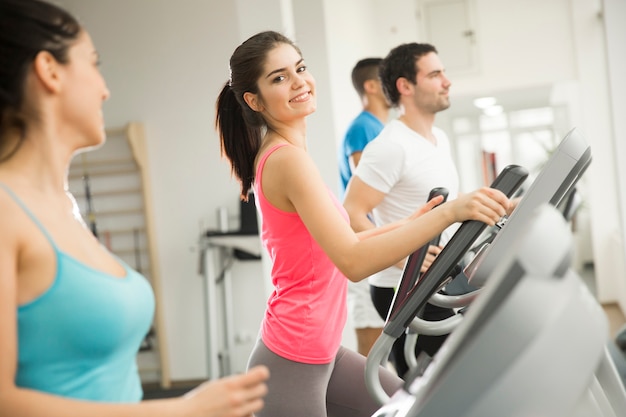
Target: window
{"type": "Point", "coordinates": [485, 144]}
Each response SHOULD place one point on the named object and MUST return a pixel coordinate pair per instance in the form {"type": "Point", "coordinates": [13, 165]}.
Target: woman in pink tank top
{"type": "Point", "coordinates": [261, 120]}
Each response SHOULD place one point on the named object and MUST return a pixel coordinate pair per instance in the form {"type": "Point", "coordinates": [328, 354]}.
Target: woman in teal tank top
{"type": "Point", "coordinates": [72, 315]}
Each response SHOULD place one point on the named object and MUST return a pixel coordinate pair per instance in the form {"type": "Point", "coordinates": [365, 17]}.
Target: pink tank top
{"type": "Point", "coordinates": [306, 312]}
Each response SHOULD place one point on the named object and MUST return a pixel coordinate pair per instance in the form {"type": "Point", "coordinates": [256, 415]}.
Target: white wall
{"type": "Point", "coordinates": [520, 46]}
{"type": "Point", "coordinates": [614, 14]}
{"type": "Point", "coordinates": [166, 60]}
{"type": "Point", "coordinates": [358, 29]}
{"type": "Point", "coordinates": [595, 120]}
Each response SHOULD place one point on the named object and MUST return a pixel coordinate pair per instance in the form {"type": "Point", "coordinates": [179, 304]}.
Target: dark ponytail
{"type": "Point", "coordinates": [239, 141]}
{"type": "Point", "coordinates": [240, 128]}
{"type": "Point", "coordinates": [27, 27]}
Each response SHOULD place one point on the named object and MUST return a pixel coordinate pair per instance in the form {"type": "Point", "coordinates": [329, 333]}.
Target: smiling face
{"type": "Point", "coordinates": [83, 93]}
{"type": "Point", "coordinates": [286, 88]}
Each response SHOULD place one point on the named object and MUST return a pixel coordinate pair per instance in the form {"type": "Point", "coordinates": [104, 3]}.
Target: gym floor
{"type": "Point", "coordinates": [613, 312]}
{"type": "Point", "coordinates": [153, 391]}
{"type": "Point", "coordinates": [615, 316]}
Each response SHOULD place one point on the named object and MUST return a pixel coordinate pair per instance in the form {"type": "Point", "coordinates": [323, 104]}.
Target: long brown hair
{"type": "Point", "coordinates": [27, 27]}
{"type": "Point", "coordinates": [240, 127]}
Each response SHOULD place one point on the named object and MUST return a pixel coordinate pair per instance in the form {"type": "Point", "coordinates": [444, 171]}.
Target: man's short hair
{"type": "Point", "coordinates": [364, 70]}
{"type": "Point", "coordinates": [401, 62]}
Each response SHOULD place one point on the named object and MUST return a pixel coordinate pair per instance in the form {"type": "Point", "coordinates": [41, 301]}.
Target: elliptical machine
{"type": "Point", "coordinates": [554, 182]}
{"type": "Point", "coordinates": [518, 350]}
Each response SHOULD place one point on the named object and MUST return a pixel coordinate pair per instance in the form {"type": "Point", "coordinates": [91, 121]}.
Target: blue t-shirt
{"type": "Point", "coordinates": [361, 131]}
{"type": "Point", "coordinates": [80, 338]}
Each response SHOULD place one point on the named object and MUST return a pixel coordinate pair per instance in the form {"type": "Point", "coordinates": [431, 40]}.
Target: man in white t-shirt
{"type": "Point", "coordinates": [401, 166]}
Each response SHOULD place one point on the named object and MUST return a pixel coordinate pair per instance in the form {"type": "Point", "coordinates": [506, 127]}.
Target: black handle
{"type": "Point", "coordinates": [434, 193]}
{"type": "Point", "coordinates": [411, 271]}
{"type": "Point", "coordinates": [509, 180]}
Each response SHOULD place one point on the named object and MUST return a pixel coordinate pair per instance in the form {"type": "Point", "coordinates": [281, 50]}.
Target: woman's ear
{"type": "Point", "coordinates": [46, 70]}
{"type": "Point", "coordinates": [252, 100]}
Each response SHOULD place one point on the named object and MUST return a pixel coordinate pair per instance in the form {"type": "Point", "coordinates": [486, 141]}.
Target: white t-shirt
{"type": "Point", "coordinates": [406, 167]}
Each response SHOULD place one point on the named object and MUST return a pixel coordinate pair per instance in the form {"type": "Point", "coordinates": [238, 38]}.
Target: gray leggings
{"type": "Point", "coordinates": [336, 389]}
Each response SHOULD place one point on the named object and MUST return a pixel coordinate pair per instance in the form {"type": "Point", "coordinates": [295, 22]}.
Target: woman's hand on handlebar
{"type": "Point", "coordinates": [486, 204]}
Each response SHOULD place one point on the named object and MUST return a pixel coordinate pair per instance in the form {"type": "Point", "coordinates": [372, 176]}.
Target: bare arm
{"type": "Point", "coordinates": [361, 199]}
{"type": "Point", "coordinates": [355, 158]}
{"type": "Point", "coordinates": [292, 182]}
{"type": "Point", "coordinates": [239, 395]}
{"type": "Point", "coordinates": [236, 396]}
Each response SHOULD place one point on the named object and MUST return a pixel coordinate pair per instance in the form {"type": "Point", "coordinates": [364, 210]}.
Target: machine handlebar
{"type": "Point", "coordinates": [411, 271]}
{"type": "Point", "coordinates": [509, 180]}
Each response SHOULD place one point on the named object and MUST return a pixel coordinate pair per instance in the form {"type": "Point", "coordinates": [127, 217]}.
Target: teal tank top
{"type": "Point", "coordinates": [81, 337]}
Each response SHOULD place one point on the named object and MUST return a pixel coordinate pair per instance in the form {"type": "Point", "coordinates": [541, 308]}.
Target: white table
{"type": "Point", "coordinates": [216, 257]}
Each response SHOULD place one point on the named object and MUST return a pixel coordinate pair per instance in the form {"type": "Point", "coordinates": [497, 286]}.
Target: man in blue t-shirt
{"type": "Point", "coordinates": [361, 131]}
{"type": "Point", "coordinates": [368, 124]}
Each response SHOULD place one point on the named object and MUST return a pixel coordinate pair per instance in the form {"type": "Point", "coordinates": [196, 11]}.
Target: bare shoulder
{"type": "Point", "coordinates": [288, 154]}
{"type": "Point", "coordinates": [8, 287]}
{"type": "Point", "coordinates": [12, 225]}
{"type": "Point", "coordinates": [11, 220]}
{"type": "Point", "coordinates": [287, 164]}
{"type": "Point", "coordinates": [289, 171]}
{"type": "Point", "coordinates": [8, 207]}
